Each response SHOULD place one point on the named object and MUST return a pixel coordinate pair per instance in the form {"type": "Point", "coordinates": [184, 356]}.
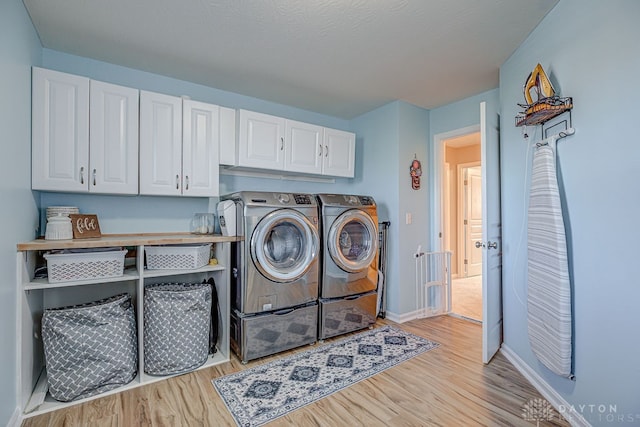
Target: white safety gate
{"type": "Point", "coordinates": [433, 283]}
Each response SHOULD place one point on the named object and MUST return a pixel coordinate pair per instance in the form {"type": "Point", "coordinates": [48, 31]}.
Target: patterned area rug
{"type": "Point", "coordinates": [260, 394]}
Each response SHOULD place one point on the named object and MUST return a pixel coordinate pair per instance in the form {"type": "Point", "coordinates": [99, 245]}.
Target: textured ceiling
{"type": "Point", "coordinates": [337, 57]}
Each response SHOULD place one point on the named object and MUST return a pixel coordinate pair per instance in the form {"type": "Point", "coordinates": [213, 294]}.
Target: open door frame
{"type": "Point", "coordinates": [492, 266]}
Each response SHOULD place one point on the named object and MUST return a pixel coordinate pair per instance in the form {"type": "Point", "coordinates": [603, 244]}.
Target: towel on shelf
{"type": "Point", "coordinates": [549, 288]}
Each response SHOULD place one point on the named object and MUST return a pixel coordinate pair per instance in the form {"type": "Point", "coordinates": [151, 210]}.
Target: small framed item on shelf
{"type": "Point", "coordinates": [85, 226]}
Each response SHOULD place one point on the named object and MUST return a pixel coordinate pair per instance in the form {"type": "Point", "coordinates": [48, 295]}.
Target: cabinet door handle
{"type": "Point", "coordinates": [94, 177]}
{"type": "Point", "coordinates": [177, 182]}
{"type": "Point", "coordinates": [186, 180]}
{"type": "Point", "coordinates": [81, 174]}
{"type": "Point", "coordinates": [281, 143]}
{"type": "Point", "coordinates": [326, 151]}
{"type": "Point", "coordinates": [320, 145]}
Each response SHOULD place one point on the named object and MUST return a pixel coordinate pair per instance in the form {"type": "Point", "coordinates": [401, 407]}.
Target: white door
{"type": "Point", "coordinates": [160, 144]}
{"type": "Point", "coordinates": [200, 149]}
{"type": "Point", "coordinates": [261, 141]}
{"type": "Point", "coordinates": [303, 147]}
{"type": "Point", "coordinates": [473, 217]}
{"type": "Point", "coordinates": [60, 131]}
{"type": "Point", "coordinates": [491, 232]}
{"type": "Point", "coordinates": [113, 136]}
{"type": "Point", "coordinates": [339, 153]}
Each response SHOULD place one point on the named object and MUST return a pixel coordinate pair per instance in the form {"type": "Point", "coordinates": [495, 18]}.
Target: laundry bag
{"type": "Point", "coordinates": [177, 319]}
{"type": "Point", "coordinates": [90, 348]}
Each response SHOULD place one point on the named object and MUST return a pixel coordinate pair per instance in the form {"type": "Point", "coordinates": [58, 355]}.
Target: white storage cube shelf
{"type": "Point", "coordinates": [81, 277]}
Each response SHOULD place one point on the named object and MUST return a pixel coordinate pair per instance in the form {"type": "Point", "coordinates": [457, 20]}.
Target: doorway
{"type": "Point", "coordinates": [462, 187]}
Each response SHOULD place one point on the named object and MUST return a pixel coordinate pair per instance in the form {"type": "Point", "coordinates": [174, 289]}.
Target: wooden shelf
{"type": "Point", "coordinates": [149, 239]}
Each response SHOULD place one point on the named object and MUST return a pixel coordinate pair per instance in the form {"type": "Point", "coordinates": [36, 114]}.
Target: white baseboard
{"type": "Point", "coordinates": [15, 419]}
{"type": "Point", "coordinates": [574, 418]}
{"type": "Point", "coordinates": [401, 318]}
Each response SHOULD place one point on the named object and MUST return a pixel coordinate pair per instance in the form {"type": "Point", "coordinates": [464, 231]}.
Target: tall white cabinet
{"type": "Point", "coordinates": [274, 143]}
{"type": "Point", "coordinates": [84, 135]}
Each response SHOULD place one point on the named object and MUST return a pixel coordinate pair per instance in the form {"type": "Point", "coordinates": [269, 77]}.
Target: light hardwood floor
{"type": "Point", "coordinates": [448, 386]}
{"type": "Point", "coordinates": [466, 297]}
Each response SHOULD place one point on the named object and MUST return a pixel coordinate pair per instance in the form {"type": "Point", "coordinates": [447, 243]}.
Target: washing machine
{"type": "Point", "coordinates": [275, 272]}
{"type": "Point", "coordinates": [349, 273]}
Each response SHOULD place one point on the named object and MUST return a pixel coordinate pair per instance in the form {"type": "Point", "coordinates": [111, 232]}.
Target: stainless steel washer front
{"type": "Point", "coordinates": [277, 262]}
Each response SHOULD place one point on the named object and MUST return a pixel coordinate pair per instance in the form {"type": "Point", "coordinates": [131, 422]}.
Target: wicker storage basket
{"type": "Point", "coordinates": [90, 348]}
{"type": "Point", "coordinates": [177, 318]}
{"type": "Point", "coordinates": [177, 256]}
{"type": "Point", "coordinates": [68, 267]}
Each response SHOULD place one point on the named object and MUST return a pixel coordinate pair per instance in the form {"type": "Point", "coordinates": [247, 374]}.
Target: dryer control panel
{"type": "Point", "coordinates": [302, 199]}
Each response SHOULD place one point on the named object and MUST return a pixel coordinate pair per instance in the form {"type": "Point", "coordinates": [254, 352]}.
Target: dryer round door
{"type": "Point", "coordinates": [353, 241]}
{"type": "Point", "coordinates": [284, 245]}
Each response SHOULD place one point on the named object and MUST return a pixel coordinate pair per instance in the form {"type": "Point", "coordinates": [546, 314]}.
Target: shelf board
{"type": "Point", "coordinates": [50, 404]}
{"type": "Point", "coordinates": [161, 273]}
{"type": "Point", "coordinates": [149, 239]}
{"type": "Point", "coordinates": [129, 274]}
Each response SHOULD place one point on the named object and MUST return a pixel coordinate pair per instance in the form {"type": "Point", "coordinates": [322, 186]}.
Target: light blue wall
{"type": "Point", "coordinates": [413, 143]}
{"type": "Point", "coordinates": [377, 160]}
{"type": "Point", "coordinates": [391, 136]}
{"type": "Point", "coordinates": [590, 50]}
{"type": "Point", "coordinates": [19, 49]}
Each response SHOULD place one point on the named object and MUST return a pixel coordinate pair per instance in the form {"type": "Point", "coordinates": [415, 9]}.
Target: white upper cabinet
{"type": "Point", "coordinates": [84, 135]}
{"type": "Point", "coordinates": [303, 147]}
{"type": "Point", "coordinates": [160, 144]}
{"type": "Point", "coordinates": [113, 137]}
{"type": "Point", "coordinates": [261, 141]}
{"type": "Point", "coordinates": [60, 131]}
{"type": "Point", "coordinates": [179, 146]}
{"type": "Point", "coordinates": [339, 153]}
{"type": "Point", "coordinates": [269, 142]}
{"type": "Point", "coordinates": [200, 148]}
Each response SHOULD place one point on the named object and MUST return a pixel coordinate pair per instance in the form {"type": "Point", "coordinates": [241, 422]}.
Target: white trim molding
{"type": "Point", "coordinates": [557, 401]}
{"type": "Point", "coordinates": [16, 419]}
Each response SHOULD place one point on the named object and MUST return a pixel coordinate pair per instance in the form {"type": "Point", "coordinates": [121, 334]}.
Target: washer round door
{"type": "Point", "coordinates": [353, 241]}
{"type": "Point", "coordinates": [284, 245]}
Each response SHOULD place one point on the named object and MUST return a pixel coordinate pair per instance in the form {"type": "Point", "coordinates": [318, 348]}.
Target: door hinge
{"type": "Point", "coordinates": [465, 222]}
{"type": "Point", "coordinates": [466, 182]}
{"type": "Point", "coordinates": [466, 262]}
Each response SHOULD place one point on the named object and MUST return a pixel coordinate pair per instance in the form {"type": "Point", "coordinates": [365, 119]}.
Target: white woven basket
{"type": "Point", "coordinates": [83, 266]}
{"type": "Point", "coordinates": [177, 256]}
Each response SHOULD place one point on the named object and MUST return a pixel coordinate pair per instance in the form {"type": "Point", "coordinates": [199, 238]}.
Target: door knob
{"type": "Point", "coordinates": [492, 245]}
{"type": "Point", "coordinates": [479, 244]}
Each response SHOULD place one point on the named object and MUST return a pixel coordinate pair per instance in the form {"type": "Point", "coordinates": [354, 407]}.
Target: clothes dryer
{"type": "Point", "coordinates": [349, 273]}
{"type": "Point", "coordinates": [275, 281]}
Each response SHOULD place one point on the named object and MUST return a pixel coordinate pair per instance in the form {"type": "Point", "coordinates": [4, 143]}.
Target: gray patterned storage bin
{"type": "Point", "coordinates": [90, 348]}
{"type": "Point", "coordinates": [176, 327]}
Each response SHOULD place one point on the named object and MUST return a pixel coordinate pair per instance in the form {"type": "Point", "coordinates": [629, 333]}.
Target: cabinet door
{"type": "Point", "coordinates": [303, 147]}
{"type": "Point", "coordinates": [261, 141]}
{"type": "Point", "coordinates": [339, 153]}
{"type": "Point", "coordinates": [113, 137]}
{"type": "Point", "coordinates": [160, 144]}
{"type": "Point", "coordinates": [60, 131]}
{"type": "Point", "coordinates": [200, 148]}
{"type": "Point", "coordinates": [228, 145]}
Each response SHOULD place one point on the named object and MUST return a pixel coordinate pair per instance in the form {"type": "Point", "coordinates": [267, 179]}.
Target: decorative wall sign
{"type": "Point", "coordinates": [415, 170]}
{"type": "Point", "coordinates": [85, 226]}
